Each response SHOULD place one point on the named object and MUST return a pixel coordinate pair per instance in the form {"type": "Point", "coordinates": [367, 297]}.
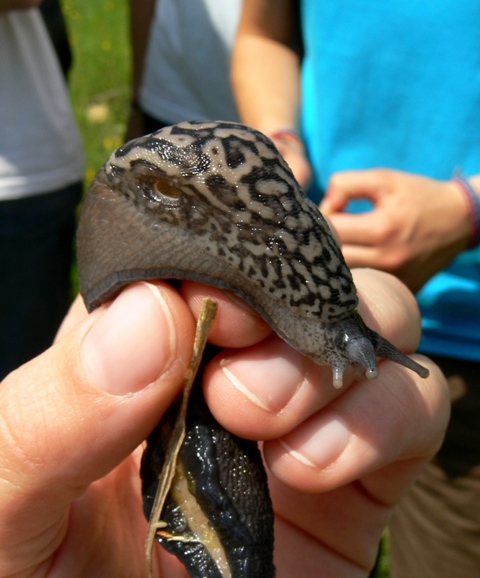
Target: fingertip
{"type": "Point", "coordinates": [293, 469]}
{"type": "Point", "coordinates": [342, 187]}
{"type": "Point", "coordinates": [265, 391]}
{"type": "Point", "coordinates": [389, 307]}
{"type": "Point", "coordinates": [236, 324]}
{"type": "Point", "coordinates": [327, 206]}
{"type": "Point", "coordinates": [136, 338]}
{"type": "Point", "coordinates": [438, 395]}
{"type": "Point", "coordinates": [398, 418]}
{"type": "Point", "coordinates": [341, 184]}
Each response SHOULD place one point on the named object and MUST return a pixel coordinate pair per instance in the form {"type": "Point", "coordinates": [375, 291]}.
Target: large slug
{"type": "Point", "coordinates": [216, 203]}
{"type": "Point", "coordinates": [218, 516]}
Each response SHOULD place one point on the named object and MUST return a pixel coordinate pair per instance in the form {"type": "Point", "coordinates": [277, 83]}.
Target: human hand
{"type": "Point", "coordinates": [338, 460]}
{"type": "Point", "coordinates": [417, 227]}
{"type": "Point", "coordinates": [72, 418]}
{"type": "Point", "coordinates": [70, 422]}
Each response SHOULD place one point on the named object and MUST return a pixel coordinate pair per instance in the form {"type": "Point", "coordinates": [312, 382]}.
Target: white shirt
{"type": "Point", "coordinates": [187, 66]}
{"type": "Point", "coordinates": [40, 147]}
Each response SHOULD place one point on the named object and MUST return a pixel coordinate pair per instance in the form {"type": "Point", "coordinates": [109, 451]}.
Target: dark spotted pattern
{"type": "Point", "coordinates": [238, 194]}
{"type": "Point", "coordinates": [215, 202]}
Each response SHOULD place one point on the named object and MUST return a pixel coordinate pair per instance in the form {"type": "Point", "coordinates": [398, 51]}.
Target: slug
{"type": "Point", "coordinates": [216, 203]}
{"type": "Point", "coordinates": [218, 515]}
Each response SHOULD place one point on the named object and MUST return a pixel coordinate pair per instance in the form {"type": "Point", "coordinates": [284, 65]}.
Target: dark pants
{"type": "Point", "coordinates": [36, 242]}
{"type": "Point", "coordinates": [152, 124]}
{"type": "Point", "coordinates": [435, 531]}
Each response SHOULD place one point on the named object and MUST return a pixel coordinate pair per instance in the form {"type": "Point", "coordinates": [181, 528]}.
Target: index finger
{"type": "Point", "coordinates": [357, 229]}
{"type": "Point", "coordinates": [347, 185]}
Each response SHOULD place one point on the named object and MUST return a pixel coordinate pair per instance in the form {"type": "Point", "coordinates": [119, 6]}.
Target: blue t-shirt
{"type": "Point", "coordinates": [397, 85]}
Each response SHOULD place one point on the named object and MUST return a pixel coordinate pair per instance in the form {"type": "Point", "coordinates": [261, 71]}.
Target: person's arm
{"type": "Point", "coordinates": [266, 76]}
{"type": "Point", "coordinates": [265, 66]}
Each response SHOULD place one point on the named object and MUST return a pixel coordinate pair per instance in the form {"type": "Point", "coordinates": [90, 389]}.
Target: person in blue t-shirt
{"type": "Point", "coordinates": [375, 106]}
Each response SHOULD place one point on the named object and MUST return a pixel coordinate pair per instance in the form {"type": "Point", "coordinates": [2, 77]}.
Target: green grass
{"type": "Point", "coordinates": [100, 91]}
{"type": "Point", "coordinates": [100, 77]}
{"type": "Point", "coordinates": [99, 80]}
{"type": "Point", "coordinates": [382, 570]}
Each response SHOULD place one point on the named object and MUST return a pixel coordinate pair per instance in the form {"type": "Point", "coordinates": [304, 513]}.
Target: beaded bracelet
{"type": "Point", "coordinates": [473, 201]}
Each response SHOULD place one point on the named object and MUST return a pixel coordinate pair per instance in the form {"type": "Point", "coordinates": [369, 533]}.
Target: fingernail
{"type": "Point", "coordinates": [269, 381]}
{"type": "Point", "coordinates": [132, 343]}
{"type": "Point", "coordinates": [319, 442]}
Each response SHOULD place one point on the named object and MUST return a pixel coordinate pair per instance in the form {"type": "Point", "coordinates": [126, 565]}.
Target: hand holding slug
{"type": "Point", "coordinates": [215, 203]}
{"type": "Point", "coordinates": [71, 419]}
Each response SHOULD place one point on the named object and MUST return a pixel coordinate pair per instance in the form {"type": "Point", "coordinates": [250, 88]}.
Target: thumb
{"type": "Point", "coordinates": [75, 412]}
{"type": "Point", "coordinates": [347, 185]}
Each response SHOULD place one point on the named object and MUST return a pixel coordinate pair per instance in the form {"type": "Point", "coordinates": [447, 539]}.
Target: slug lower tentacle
{"type": "Point", "coordinates": [216, 203]}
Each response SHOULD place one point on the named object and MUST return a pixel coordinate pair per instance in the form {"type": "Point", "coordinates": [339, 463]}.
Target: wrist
{"type": "Point", "coordinates": [472, 199]}
{"type": "Point", "coordinates": [287, 136]}
{"type": "Point", "coordinates": [291, 147]}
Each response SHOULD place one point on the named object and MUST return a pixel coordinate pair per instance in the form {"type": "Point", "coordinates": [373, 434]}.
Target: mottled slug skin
{"type": "Point", "coordinates": [226, 478]}
{"type": "Point", "coordinates": [229, 192]}
{"type": "Point", "coordinates": [215, 202]}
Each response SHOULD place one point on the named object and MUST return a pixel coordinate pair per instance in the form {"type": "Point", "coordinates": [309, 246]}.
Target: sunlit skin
{"type": "Point", "coordinates": [338, 460]}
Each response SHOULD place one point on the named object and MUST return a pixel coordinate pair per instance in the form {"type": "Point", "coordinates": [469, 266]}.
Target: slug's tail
{"type": "Point", "coordinates": [385, 349]}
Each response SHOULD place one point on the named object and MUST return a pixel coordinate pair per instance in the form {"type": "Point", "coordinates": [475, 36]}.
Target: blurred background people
{"type": "Point", "coordinates": [41, 171]}
{"type": "Point", "coordinates": [375, 107]}
{"type": "Point", "coordinates": [181, 68]}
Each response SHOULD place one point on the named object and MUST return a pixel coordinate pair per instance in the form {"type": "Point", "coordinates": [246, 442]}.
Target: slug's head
{"type": "Point", "coordinates": [214, 202]}
{"type": "Point", "coordinates": [356, 344]}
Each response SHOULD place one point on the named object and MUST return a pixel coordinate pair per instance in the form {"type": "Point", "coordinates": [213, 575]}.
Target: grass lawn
{"type": "Point", "coordinates": [100, 87]}
{"type": "Point", "coordinates": [100, 77]}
